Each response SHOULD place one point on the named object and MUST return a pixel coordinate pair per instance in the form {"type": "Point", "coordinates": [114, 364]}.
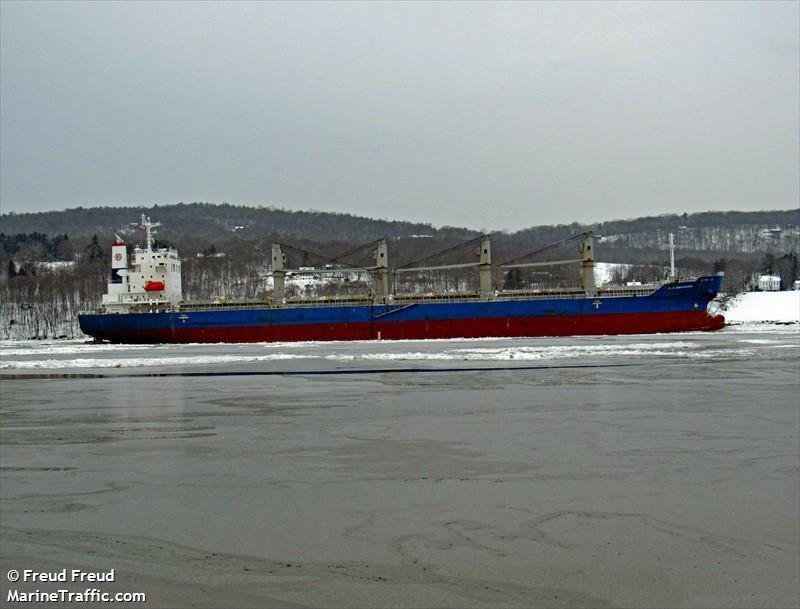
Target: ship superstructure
{"type": "Point", "coordinates": [144, 278]}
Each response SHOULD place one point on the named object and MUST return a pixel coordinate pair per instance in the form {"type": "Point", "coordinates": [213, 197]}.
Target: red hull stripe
{"type": "Point", "coordinates": [622, 323]}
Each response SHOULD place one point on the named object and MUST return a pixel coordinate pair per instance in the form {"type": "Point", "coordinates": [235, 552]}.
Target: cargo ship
{"type": "Point", "coordinates": [144, 304]}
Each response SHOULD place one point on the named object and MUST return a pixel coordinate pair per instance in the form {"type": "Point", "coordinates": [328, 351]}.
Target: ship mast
{"type": "Point", "coordinates": [671, 256]}
{"type": "Point", "coordinates": [148, 227]}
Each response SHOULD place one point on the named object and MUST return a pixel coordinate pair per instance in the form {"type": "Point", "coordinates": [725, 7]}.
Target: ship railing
{"type": "Point", "coordinates": [625, 292]}
{"type": "Point", "coordinates": [269, 304]}
{"type": "Point", "coordinates": [404, 299]}
{"type": "Point", "coordinates": [398, 299]}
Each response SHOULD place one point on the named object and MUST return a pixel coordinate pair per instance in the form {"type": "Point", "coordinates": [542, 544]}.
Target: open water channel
{"type": "Point", "coordinates": [640, 471]}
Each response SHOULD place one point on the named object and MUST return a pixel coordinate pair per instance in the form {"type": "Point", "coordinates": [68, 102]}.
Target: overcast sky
{"type": "Point", "coordinates": [488, 115]}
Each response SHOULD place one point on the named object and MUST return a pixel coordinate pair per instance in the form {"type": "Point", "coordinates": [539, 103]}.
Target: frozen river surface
{"type": "Point", "coordinates": [640, 471]}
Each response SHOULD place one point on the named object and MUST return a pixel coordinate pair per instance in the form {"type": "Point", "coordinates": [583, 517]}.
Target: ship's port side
{"type": "Point", "coordinates": [678, 307]}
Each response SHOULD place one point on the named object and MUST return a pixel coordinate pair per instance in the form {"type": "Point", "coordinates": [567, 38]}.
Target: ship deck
{"type": "Point", "coordinates": [409, 299]}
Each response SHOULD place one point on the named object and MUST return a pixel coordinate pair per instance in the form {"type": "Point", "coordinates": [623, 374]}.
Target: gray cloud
{"type": "Point", "coordinates": [486, 115]}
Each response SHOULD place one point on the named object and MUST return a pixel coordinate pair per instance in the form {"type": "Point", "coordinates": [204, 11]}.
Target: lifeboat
{"type": "Point", "coordinates": [154, 286]}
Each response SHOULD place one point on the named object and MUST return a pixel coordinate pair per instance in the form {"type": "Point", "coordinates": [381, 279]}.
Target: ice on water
{"type": "Point", "coordinates": [732, 342]}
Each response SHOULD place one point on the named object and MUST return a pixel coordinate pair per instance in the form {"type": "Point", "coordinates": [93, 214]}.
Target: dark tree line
{"type": "Point", "coordinates": [54, 248]}
{"type": "Point", "coordinates": [718, 231]}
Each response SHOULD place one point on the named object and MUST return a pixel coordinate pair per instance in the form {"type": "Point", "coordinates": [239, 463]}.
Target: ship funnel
{"type": "Point", "coordinates": [119, 260]}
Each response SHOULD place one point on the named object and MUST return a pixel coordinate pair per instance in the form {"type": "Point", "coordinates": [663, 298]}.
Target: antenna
{"type": "Point", "coordinates": [148, 227]}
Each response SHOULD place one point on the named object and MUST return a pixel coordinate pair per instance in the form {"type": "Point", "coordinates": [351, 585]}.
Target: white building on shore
{"type": "Point", "coordinates": [769, 283]}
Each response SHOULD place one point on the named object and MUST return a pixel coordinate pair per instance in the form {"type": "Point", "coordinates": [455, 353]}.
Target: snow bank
{"type": "Point", "coordinates": [604, 271]}
{"type": "Point", "coordinates": [771, 307]}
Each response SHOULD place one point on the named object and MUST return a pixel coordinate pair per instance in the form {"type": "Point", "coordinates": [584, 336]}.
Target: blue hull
{"type": "Point", "coordinates": [673, 307]}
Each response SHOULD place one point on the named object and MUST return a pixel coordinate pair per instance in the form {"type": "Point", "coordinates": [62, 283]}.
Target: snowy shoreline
{"type": "Point", "coordinates": [763, 307]}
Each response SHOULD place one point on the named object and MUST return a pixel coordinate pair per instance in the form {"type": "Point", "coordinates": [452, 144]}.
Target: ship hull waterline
{"type": "Point", "coordinates": [579, 325]}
